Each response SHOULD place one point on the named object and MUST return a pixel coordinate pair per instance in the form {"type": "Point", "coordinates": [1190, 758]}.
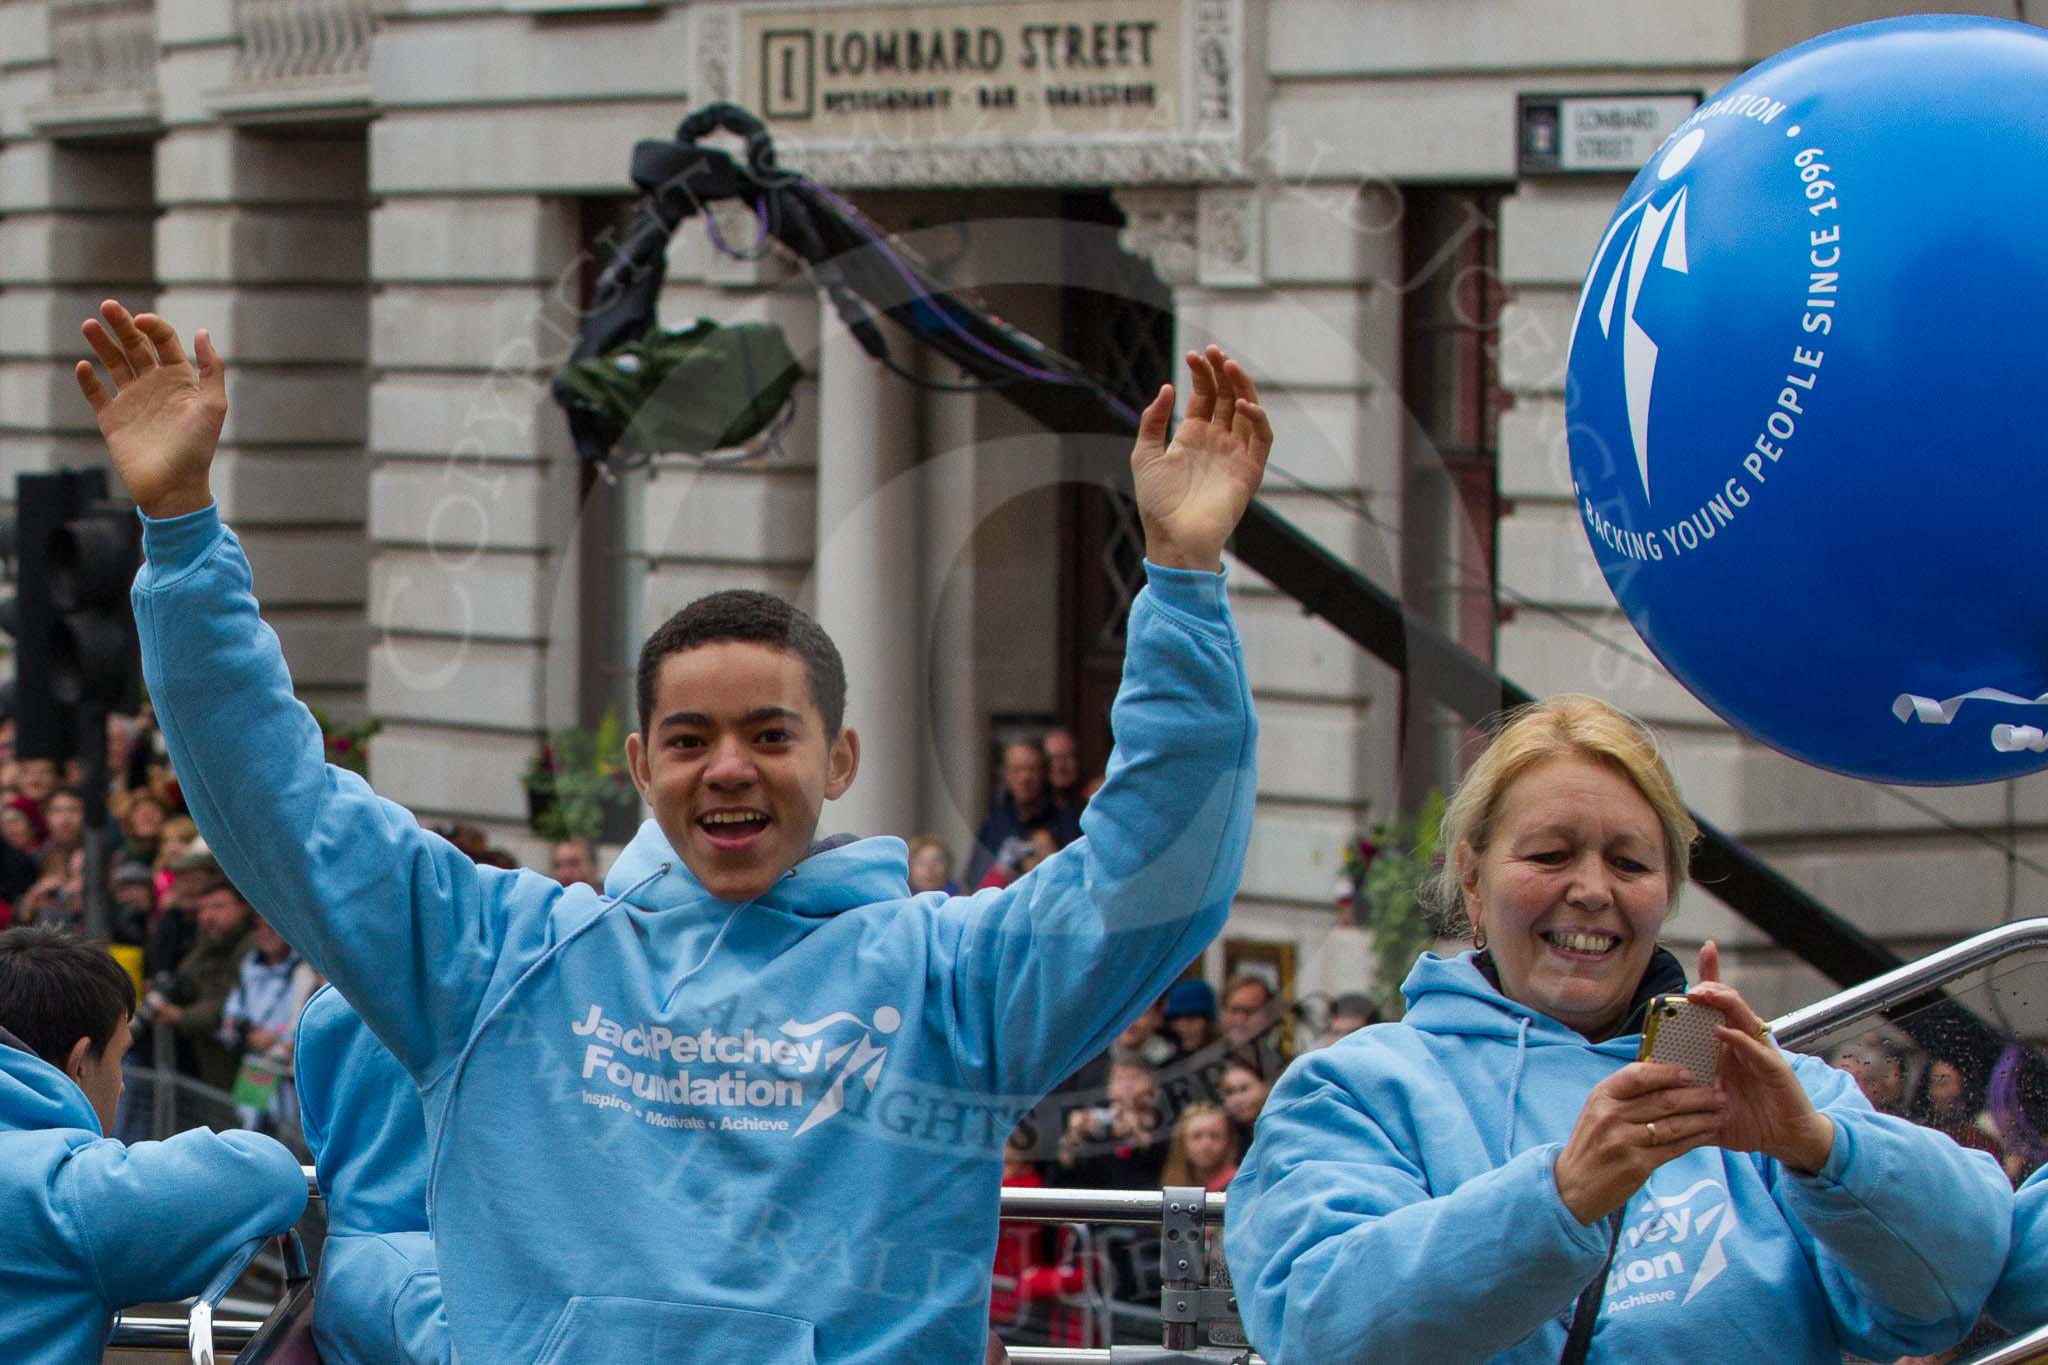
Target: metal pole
{"type": "Point", "coordinates": [1134, 1208]}
{"type": "Point", "coordinates": [164, 1056]}
{"type": "Point", "coordinates": [92, 756]}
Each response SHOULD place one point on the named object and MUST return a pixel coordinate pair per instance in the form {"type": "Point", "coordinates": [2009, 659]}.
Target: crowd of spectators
{"type": "Point", "coordinates": [1172, 1102]}
{"type": "Point", "coordinates": [1993, 1102]}
{"type": "Point", "coordinates": [219, 989]}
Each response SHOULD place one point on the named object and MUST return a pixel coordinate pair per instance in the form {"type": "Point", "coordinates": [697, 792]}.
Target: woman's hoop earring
{"type": "Point", "coordinates": [1478, 940]}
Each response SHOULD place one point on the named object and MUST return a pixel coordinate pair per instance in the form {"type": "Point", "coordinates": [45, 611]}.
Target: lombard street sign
{"type": "Point", "coordinates": [994, 92]}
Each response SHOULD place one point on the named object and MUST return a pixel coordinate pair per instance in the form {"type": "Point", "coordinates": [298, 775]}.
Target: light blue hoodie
{"type": "Point", "coordinates": [379, 1296]}
{"type": "Point", "coordinates": [1399, 1203]}
{"type": "Point", "coordinates": [2020, 1302]}
{"type": "Point", "coordinates": [89, 1226]}
{"type": "Point", "coordinates": [665, 1126]}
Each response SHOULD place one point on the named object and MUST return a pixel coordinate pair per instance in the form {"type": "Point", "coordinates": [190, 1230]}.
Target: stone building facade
{"type": "Point", "coordinates": [386, 211]}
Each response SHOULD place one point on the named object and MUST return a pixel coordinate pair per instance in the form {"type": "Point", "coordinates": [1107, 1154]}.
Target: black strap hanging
{"type": "Point", "coordinates": [1580, 1340]}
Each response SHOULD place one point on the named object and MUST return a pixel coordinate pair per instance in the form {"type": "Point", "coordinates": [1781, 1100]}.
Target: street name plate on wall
{"type": "Point", "coordinates": [994, 92]}
{"type": "Point", "coordinates": [1596, 134]}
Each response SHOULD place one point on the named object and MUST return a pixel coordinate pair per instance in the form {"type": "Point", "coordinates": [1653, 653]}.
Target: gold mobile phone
{"type": "Point", "coordinates": [1678, 1031]}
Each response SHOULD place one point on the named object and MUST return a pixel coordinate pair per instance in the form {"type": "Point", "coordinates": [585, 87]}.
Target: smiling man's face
{"type": "Point", "coordinates": [737, 764]}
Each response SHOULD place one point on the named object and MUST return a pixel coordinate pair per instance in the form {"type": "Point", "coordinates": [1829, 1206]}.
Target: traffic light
{"type": "Point", "coordinates": [76, 553]}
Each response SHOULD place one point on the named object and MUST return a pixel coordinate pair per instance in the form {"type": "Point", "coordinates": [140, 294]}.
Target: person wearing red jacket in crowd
{"type": "Point", "coordinates": [1037, 1266]}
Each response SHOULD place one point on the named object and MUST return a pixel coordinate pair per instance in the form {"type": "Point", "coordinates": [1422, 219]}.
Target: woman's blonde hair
{"type": "Point", "coordinates": [1179, 1170]}
{"type": "Point", "coordinates": [1568, 725]}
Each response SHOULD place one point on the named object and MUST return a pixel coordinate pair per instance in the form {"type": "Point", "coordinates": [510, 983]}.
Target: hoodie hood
{"type": "Point", "coordinates": [836, 876]}
{"type": "Point", "coordinates": [362, 1119]}
{"type": "Point", "coordinates": [35, 1095]}
{"type": "Point", "coordinates": [1461, 995]}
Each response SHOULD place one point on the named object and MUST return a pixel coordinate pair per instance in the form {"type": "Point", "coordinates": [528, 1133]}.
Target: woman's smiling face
{"type": "Point", "coordinates": [1570, 891]}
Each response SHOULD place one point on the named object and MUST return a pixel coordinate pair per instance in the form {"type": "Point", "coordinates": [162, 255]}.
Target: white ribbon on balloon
{"type": "Point", "coordinates": [2007, 739]}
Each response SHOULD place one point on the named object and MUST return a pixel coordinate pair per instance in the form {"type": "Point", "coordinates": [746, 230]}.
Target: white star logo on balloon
{"type": "Point", "coordinates": [1650, 226]}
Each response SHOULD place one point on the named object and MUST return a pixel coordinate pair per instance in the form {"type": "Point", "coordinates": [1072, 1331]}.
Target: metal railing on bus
{"type": "Point", "coordinates": [201, 1328]}
{"type": "Point", "coordinates": [2031, 1349]}
{"type": "Point", "coordinates": [1907, 985]}
{"type": "Point", "coordinates": [205, 1337]}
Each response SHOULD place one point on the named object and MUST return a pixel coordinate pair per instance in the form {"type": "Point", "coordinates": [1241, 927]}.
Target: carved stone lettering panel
{"type": "Point", "coordinates": [994, 92]}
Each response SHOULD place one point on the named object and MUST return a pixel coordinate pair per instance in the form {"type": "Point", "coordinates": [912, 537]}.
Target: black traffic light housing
{"type": "Point", "coordinates": [76, 658]}
{"type": "Point", "coordinates": [94, 658]}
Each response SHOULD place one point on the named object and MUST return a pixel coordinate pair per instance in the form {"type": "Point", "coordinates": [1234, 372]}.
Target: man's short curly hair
{"type": "Point", "coordinates": [749, 617]}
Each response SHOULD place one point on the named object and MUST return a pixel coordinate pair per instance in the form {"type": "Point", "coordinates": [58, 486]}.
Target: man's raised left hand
{"type": "Point", "coordinates": [1192, 492]}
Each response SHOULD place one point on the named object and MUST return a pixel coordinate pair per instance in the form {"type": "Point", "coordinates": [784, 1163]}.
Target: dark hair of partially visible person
{"type": "Point", "coordinates": [748, 617]}
{"type": "Point", "coordinates": [494, 857]}
{"type": "Point", "coordinates": [57, 986]}
{"type": "Point", "coordinates": [1357, 1005]}
{"type": "Point", "coordinates": [467, 838]}
{"type": "Point", "coordinates": [221, 883]}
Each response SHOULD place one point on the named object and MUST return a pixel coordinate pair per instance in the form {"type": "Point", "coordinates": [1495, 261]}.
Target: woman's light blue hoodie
{"type": "Point", "coordinates": [1398, 1203]}
{"type": "Point", "coordinates": [89, 1226]}
{"type": "Point", "coordinates": [664, 1126]}
{"type": "Point", "coordinates": [379, 1297]}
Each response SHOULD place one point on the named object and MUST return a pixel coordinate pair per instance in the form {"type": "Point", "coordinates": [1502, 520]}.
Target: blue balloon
{"type": "Point", "coordinates": [1806, 401]}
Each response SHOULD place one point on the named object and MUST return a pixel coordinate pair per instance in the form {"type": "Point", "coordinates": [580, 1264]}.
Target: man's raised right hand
{"type": "Point", "coordinates": [162, 416]}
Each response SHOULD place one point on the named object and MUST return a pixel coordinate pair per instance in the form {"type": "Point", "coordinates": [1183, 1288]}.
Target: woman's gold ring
{"type": "Point", "coordinates": [1763, 1031]}
{"type": "Point", "coordinates": [1651, 1129]}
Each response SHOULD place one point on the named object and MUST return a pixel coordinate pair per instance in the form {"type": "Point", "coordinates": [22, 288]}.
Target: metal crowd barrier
{"type": "Point", "coordinates": [1198, 1317]}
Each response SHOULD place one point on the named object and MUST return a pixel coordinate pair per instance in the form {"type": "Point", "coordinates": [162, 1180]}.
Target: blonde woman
{"type": "Point", "coordinates": [1204, 1150]}
{"type": "Point", "coordinates": [1496, 1177]}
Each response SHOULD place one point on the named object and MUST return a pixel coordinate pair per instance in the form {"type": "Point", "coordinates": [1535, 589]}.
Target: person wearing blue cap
{"type": "Point", "coordinates": [1191, 1014]}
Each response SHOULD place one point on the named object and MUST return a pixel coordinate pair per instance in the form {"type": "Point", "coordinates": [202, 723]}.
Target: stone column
{"type": "Point", "coordinates": [472, 494]}
{"type": "Point", "coordinates": [954, 748]}
{"type": "Point", "coordinates": [74, 228]}
{"type": "Point", "coordinates": [865, 578]}
{"type": "Point", "coordinates": [264, 240]}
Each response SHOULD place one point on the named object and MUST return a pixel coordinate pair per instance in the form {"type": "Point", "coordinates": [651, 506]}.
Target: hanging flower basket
{"type": "Point", "coordinates": [577, 787]}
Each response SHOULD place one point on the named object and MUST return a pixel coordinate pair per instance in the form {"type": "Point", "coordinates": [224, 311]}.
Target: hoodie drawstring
{"type": "Point", "coordinates": [716, 939]}
{"type": "Point", "coordinates": [1515, 1081]}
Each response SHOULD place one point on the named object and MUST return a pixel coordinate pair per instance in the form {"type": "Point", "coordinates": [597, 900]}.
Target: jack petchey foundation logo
{"type": "Point", "coordinates": [1672, 1250]}
{"type": "Point", "coordinates": [787, 1081]}
{"type": "Point", "coordinates": [1679, 424]}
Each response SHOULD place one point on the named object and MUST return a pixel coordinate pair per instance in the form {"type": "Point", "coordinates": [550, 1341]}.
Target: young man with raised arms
{"type": "Point", "coordinates": [751, 1103]}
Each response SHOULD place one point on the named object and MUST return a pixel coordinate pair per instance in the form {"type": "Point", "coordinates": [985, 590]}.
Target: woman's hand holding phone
{"type": "Point", "coordinates": [1768, 1109]}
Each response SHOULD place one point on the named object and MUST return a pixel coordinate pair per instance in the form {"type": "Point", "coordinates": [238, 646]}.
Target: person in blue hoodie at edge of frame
{"type": "Point", "coordinates": [755, 1096]}
{"type": "Point", "coordinates": [2019, 1303]}
{"type": "Point", "coordinates": [88, 1225]}
{"type": "Point", "coordinates": [1452, 1187]}
{"type": "Point", "coordinates": [378, 1301]}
